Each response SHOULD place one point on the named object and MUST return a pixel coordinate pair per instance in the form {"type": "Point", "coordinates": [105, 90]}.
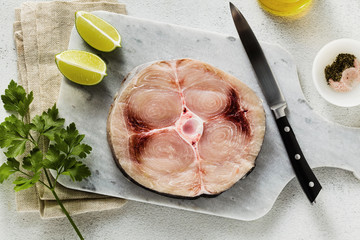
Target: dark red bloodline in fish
{"type": "Point", "coordinates": [137, 144]}
{"type": "Point", "coordinates": [235, 114]}
{"type": "Point", "coordinates": [134, 123]}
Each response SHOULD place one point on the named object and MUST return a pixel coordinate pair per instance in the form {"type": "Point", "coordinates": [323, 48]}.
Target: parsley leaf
{"type": "Point", "coordinates": [63, 153]}
{"type": "Point", "coordinates": [8, 168]}
{"type": "Point", "coordinates": [17, 148]}
{"type": "Point", "coordinates": [76, 170]}
{"type": "Point", "coordinates": [16, 99]}
{"type": "Point", "coordinates": [62, 147]}
{"type": "Point", "coordinates": [69, 142]}
{"type": "Point", "coordinates": [54, 159]}
{"type": "Point", "coordinates": [48, 123]}
{"type": "Point", "coordinates": [81, 150]}
{"type": "Point", "coordinates": [34, 161]}
{"type": "Point", "coordinates": [14, 134]}
{"type": "Point", "coordinates": [17, 128]}
{"type": "Point", "coordinates": [22, 183]}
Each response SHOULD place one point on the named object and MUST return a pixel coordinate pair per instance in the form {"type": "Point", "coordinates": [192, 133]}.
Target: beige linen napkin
{"type": "Point", "coordinates": [41, 30]}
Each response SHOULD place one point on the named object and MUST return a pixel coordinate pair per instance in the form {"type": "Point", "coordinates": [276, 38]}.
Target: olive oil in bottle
{"type": "Point", "coordinates": [285, 7]}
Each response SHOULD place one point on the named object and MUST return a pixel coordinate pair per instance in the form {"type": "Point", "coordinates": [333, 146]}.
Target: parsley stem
{"type": "Point", "coordinates": [67, 214]}
{"type": "Point", "coordinates": [48, 178]}
{"type": "Point", "coordinates": [61, 169]}
{"type": "Point", "coordinates": [33, 140]}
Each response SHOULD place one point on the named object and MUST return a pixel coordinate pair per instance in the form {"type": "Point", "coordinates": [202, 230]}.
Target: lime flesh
{"type": "Point", "coordinates": [96, 32]}
{"type": "Point", "coordinates": [81, 67]}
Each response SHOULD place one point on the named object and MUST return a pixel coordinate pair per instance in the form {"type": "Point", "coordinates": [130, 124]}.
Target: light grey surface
{"type": "Point", "coordinates": [337, 211]}
{"type": "Point", "coordinates": [146, 41]}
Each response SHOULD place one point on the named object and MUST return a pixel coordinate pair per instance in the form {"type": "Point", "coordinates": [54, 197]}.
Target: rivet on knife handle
{"type": "Point", "coordinates": [303, 172]}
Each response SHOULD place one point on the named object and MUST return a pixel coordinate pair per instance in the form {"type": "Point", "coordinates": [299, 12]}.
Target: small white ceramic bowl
{"type": "Point", "coordinates": [326, 56]}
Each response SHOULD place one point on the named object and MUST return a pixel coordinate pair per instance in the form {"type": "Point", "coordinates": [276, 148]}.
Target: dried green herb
{"type": "Point", "coordinates": [335, 70]}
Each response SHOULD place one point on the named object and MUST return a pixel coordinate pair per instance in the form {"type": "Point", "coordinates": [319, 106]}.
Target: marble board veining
{"type": "Point", "coordinates": [146, 41]}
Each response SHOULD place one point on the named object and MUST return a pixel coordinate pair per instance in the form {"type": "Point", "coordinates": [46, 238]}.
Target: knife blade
{"type": "Point", "coordinates": [277, 104]}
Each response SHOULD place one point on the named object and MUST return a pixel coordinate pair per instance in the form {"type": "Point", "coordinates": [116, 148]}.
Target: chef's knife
{"type": "Point", "coordinates": [277, 103]}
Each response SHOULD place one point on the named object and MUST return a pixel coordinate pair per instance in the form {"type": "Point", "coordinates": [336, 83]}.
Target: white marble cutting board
{"type": "Point", "coordinates": [323, 143]}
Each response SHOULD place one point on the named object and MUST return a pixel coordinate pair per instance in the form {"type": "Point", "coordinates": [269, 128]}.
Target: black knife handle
{"type": "Point", "coordinates": [303, 172]}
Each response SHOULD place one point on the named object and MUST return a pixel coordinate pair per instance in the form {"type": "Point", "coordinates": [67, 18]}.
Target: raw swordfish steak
{"type": "Point", "coordinates": [184, 128]}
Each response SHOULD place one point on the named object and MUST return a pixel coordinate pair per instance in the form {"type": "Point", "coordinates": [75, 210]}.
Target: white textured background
{"type": "Point", "coordinates": [336, 214]}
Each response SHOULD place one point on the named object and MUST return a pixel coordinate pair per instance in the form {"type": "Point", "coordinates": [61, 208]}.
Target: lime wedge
{"type": "Point", "coordinates": [81, 67]}
{"type": "Point", "coordinates": [96, 32]}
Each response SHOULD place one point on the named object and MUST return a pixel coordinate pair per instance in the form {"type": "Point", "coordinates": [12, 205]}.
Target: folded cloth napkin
{"type": "Point", "coordinates": [41, 30]}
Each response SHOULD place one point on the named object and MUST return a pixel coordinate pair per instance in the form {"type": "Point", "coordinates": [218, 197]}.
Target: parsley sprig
{"type": "Point", "coordinates": [52, 146]}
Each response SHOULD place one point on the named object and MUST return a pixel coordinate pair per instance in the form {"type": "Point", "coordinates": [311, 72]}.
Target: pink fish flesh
{"type": "Point", "coordinates": [185, 128]}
